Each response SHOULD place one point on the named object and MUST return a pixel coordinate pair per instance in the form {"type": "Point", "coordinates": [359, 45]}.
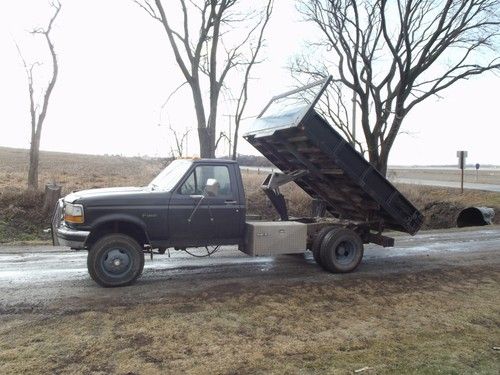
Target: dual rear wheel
{"type": "Point", "coordinates": [338, 250]}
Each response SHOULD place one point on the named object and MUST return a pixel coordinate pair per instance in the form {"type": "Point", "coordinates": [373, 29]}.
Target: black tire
{"type": "Point", "coordinates": [341, 250]}
{"type": "Point", "coordinates": [115, 260]}
{"type": "Point", "coordinates": [316, 245]}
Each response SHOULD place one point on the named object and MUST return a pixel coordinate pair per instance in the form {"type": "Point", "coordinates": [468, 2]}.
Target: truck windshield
{"type": "Point", "coordinates": [169, 177]}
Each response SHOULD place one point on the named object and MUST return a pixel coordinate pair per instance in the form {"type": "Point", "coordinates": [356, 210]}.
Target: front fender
{"type": "Point", "coordinates": [120, 218]}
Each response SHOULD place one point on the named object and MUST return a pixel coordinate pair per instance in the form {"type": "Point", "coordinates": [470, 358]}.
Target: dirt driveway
{"type": "Point", "coordinates": [429, 304]}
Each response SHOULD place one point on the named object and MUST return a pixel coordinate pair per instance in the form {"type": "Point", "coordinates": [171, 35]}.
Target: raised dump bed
{"type": "Point", "coordinates": [293, 136]}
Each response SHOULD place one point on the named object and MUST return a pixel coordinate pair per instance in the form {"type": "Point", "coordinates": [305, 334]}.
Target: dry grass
{"type": "Point", "coordinates": [76, 171]}
{"type": "Point", "coordinates": [23, 222]}
{"type": "Point", "coordinates": [20, 215]}
{"type": "Point", "coordinates": [483, 176]}
{"type": "Point", "coordinates": [441, 206]}
{"type": "Point", "coordinates": [299, 203]}
{"type": "Point", "coordinates": [435, 322]}
{"type": "Point", "coordinates": [444, 321]}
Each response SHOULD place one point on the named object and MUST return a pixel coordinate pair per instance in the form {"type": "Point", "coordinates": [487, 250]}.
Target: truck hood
{"type": "Point", "coordinates": [114, 196]}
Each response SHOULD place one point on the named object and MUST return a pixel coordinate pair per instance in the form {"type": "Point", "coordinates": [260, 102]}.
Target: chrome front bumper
{"type": "Point", "coordinates": [63, 235]}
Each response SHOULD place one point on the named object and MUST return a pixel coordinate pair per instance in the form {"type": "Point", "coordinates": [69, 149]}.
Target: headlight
{"type": "Point", "coordinates": [73, 213]}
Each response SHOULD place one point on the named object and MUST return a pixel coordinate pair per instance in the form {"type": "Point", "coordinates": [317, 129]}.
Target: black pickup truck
{"type": "Point", "coordinates": [201, 202]}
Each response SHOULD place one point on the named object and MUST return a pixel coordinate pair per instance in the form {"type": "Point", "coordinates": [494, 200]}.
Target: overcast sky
{"type": "Point", "coordinates": [116, 71]}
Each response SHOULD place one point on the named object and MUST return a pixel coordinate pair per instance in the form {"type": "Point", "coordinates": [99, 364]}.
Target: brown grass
{"type": "Point", "coordinates": [76, 171]}
{"type": "Point", "coordinates": [444, 321]}
{"type": "Point", "coordinates": [441, 206]}
{"type": "Point", "coordinates": [22, 221]}
{"type": "Point", "coordinates": [436, 322]}
{"type": "Point", "coordinates": [20, 214]}
{"type": "Point", "coordinates": [299, 203]}
{"type": "Point", "coordinates": [482, 176]}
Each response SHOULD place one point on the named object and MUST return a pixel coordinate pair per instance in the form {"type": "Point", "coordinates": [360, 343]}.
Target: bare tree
{"type": "Point", "coordinates": [396, 54]}
{"type": "Point", "coordinates": [243, 96]}
{"type": "Point", "coordinates": [180, 140]}
{"type": "Point", "coordinates": [38, 115]}
{"type": "Point", "coordinates": [201, 49]}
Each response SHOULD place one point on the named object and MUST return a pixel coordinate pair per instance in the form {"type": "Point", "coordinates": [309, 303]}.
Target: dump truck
{"type": "Point", "coordinates": [196, 203]}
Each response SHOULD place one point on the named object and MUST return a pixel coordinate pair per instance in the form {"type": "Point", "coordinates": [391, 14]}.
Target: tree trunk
{"type": "Point", "coordinates": [33, 167]}
{"type": "Point", "coordinates": [373, 153]}
{"type": "Point", "coordinates": [36, 124]}
{"type": "Point", "coordinates": [204, 142]}
{"type": "Point", "coordinates": [388, 142]}
{"type": "Point", "coordinates": [212, 119]}
{"type": "Point", "coordinates": [379, 161]}
{"type": "Point", "coordinates": [235, 143]}
{"type": "Point", "coordinates": [207, 141]}
{"type": "Point", "coordinates": [382, 165]}
{"type": "Point", "coordinates": [52, 195]}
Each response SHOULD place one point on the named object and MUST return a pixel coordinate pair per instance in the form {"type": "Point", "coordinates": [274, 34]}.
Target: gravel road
{"type": "Point", "coordinates": [55, 279]}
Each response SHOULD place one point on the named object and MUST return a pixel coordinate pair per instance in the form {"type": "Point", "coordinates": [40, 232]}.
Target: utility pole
{"type": "Point", "coordinates": [230, 138]}
{"type": "Point", "coordinates": [462, 156]}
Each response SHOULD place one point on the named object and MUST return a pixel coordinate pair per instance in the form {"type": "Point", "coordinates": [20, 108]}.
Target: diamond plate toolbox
{"type": "Point", "coordinates": [275, 237]}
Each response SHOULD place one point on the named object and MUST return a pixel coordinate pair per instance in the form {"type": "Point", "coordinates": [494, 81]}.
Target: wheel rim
{"type": "Point", "coordinates": [345, 252]}
{"type": "Point", "coordinates": [115, 262]}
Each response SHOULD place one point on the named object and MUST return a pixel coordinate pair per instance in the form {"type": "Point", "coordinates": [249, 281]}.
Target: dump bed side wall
{"type": "Point", "coordinates": [351, 188]}
{"type": "Point", "coordinates": [368, 178]}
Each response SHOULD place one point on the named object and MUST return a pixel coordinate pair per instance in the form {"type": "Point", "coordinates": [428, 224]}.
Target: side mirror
{"type": "Point", "coordinates": [212, 187]}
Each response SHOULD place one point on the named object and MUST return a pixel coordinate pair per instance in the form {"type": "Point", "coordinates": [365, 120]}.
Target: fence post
{"type": "Point", "coordinates": [51, 196]}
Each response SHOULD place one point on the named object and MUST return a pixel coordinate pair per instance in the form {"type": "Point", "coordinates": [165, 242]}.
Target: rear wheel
{"type": "Point", "coordinates": [115, 260]}
{"type": "Point", "coordinates": [316, 245]}
{"type": "Point", "coordinates": [341, 250]}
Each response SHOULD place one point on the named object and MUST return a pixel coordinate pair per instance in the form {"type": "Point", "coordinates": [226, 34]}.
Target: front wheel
{"type": "Point", "coordinates": [341, 250]}
{"type": "Point", "coordinates": [115, 260]}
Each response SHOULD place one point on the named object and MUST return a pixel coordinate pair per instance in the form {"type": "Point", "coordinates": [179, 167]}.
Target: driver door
{"type": "Point", "coordinates": [198, 216]}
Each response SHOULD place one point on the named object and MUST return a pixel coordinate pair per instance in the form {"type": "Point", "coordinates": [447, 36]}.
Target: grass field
{"type": "Point", "coordinates": [21, 219]}
{"type": "Point", "coordinates": [481, 176]}
{"type": "Point", "coordinates": [442, 322]}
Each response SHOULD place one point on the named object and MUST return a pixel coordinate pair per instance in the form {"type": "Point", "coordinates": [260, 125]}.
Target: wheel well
{"type": "Point", "coordinates": [117, 226]}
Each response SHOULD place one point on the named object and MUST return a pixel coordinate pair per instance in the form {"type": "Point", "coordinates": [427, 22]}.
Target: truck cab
{"type": "Point", "coordinates": [191, 203]}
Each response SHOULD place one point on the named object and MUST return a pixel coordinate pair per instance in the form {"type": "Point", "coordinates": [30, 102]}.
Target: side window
{"type": "Point", "coordinates": [197, 181]}
{"type": "Point", "coordinates": [189, 186]}
{"type": "Point", "coordinates": [221, 174]}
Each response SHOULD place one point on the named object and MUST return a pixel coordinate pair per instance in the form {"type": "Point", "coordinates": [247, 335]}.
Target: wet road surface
{"type": "Point", "coordinates": [44, 277]}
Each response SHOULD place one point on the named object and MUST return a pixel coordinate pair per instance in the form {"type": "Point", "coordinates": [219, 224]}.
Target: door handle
{"type": "Point", "coordinates": [230, 202]}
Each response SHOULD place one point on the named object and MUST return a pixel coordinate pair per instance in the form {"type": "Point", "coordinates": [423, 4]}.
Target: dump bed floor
{"type": "Point", "coordinates": [337, 174]}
